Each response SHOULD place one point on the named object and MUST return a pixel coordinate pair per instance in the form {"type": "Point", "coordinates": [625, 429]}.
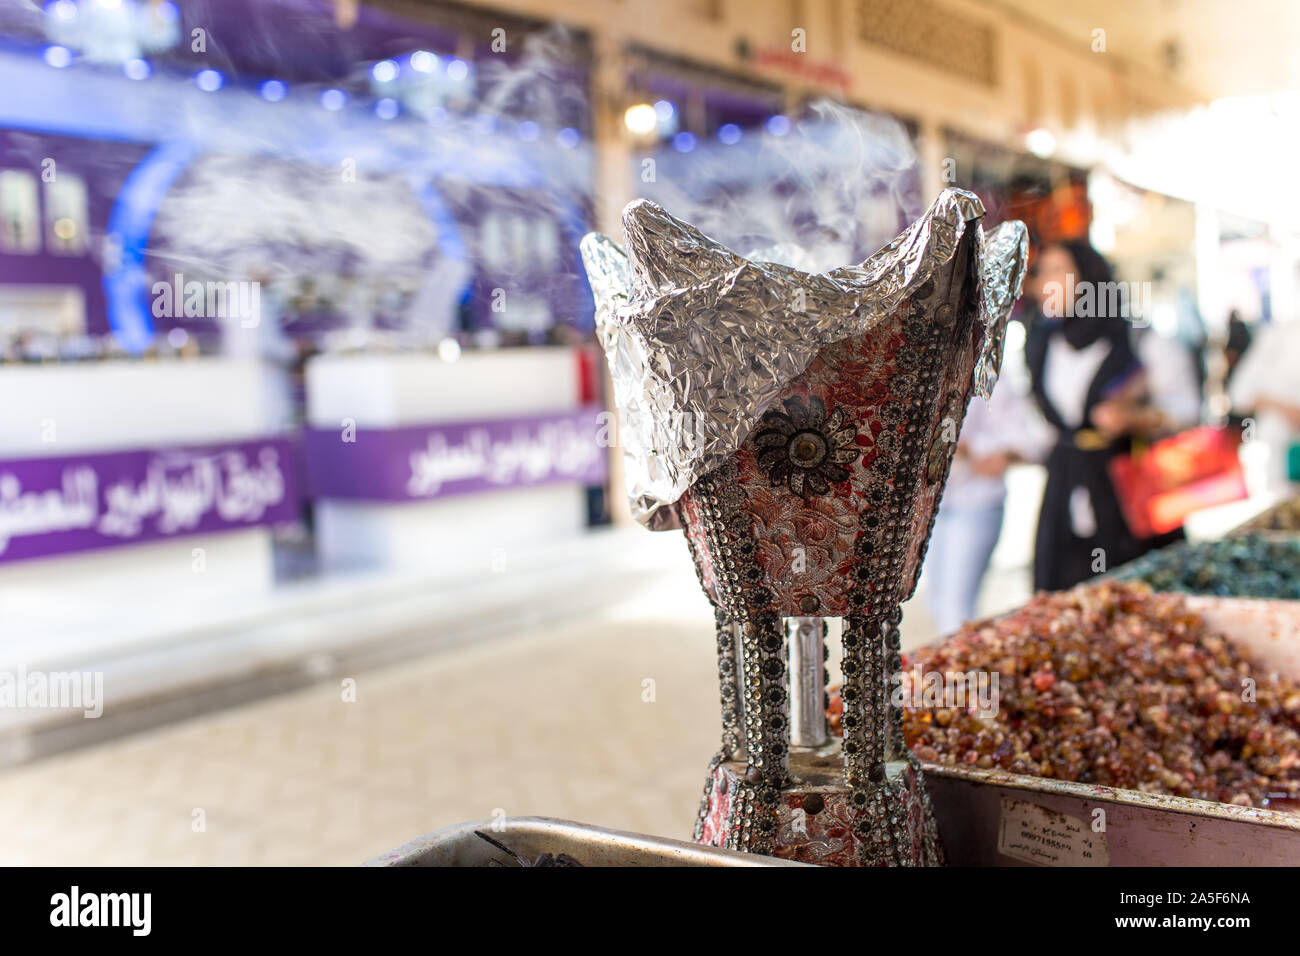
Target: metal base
{"type": "Point", "coordinates": [531, 837]}
{"type": "Point", "coordinates": [814, 819]}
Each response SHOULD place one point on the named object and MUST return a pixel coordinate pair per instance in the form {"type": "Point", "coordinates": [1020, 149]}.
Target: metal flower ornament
{"type": "Point", "coordinates": [770, 413]}
{"type": "Point", "coordinates": [804, 448]}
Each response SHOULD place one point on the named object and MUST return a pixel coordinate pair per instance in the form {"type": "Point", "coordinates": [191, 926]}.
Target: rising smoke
{"type": "Point", "coordinates": [831, 191]}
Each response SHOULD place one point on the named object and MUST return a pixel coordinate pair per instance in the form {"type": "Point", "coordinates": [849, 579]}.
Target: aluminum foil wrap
{"type": "Point", "coordinates": [700, 340]}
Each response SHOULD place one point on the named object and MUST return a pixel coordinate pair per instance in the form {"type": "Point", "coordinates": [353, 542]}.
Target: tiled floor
{"type": "Point", "coordinates": [550, 723]}
{"type": "Point", "coordinates": [553, 722]}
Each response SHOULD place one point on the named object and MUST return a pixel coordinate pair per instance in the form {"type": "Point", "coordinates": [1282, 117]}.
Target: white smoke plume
{"type": "Point", "coordinates": [831, 191]}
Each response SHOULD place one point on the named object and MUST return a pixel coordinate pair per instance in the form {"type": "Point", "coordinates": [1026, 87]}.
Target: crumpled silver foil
{"type": "Point", "coordinates": [700, 340]}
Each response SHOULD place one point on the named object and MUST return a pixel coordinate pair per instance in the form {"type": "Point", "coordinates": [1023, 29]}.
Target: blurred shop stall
{"type": "Point", "coordinates": [1048, 196]}
{"type": "Point", "coordinates": [211, 238]}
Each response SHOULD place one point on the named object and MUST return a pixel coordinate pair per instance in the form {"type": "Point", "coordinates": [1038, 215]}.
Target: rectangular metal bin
{"type": "Point", "coordinates": [995, 818]}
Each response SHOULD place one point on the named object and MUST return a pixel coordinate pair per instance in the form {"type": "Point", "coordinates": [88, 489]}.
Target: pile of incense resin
{"type": "Point", "coordinates": [1283, 517]}
{"type": "Point", "coordinates": [1248, 566]}
{"type": "Point", "coordinates": [1114, 684]}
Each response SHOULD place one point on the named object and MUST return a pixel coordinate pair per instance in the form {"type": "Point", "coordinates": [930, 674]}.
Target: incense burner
{"type": "Point", "coordinates": [800, 429]}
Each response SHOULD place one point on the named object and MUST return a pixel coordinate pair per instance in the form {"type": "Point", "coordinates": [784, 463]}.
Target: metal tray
{"type": "Point", "coordinates": [979, 811]}
{"type": "Point", "coordinates": [1259, 524]}
{"type": "Point", "coordinates": [532, 836]}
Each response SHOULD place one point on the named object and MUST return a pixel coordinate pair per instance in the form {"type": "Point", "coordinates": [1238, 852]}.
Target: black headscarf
{"type": "Point", "coordinates": [1082, 331]}
{"type": "Point", "coordinates": [1089, 267]}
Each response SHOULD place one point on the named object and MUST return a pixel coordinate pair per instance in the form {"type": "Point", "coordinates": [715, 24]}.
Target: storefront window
{"type": "Point", "coordinates": [65, 215]}
{"type": "Point", "coordinates": [19, 212]}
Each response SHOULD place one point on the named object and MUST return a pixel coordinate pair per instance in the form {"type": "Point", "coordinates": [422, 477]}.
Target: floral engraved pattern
{"type": "Point", "coordinates": [804, 448]}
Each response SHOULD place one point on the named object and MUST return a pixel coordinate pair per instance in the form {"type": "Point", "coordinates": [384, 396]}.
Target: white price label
{"type": "Point", "coordinates": [1035, 834]}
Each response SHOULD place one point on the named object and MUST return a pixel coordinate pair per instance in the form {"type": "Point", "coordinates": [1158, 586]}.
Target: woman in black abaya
{"type": "Point", "coordinates": [1089, 384]}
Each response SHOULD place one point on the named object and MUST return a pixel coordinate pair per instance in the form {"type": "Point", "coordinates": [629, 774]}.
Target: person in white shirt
{"type": "Point", "coordinates": [1171, 380]}
{"type": "Point", "coordinates": [995, 435]}
{"type": "Point", "coordinates": [1266, 386]}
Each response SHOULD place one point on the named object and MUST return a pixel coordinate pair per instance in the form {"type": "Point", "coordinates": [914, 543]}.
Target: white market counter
{"type": "Point", "coordinates": [421, 463]}
{"type": "Point", "coordinates": [130, 482]}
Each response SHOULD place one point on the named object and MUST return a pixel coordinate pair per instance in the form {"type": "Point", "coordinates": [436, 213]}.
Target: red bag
{"type": "Point", "coordinates": [1160, 486]}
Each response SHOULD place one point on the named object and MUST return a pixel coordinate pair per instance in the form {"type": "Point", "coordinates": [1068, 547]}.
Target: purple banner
{"type": "Point", "coordinates": [82, 502]}
{"type": "Point", "coordinates": [420, 462]}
